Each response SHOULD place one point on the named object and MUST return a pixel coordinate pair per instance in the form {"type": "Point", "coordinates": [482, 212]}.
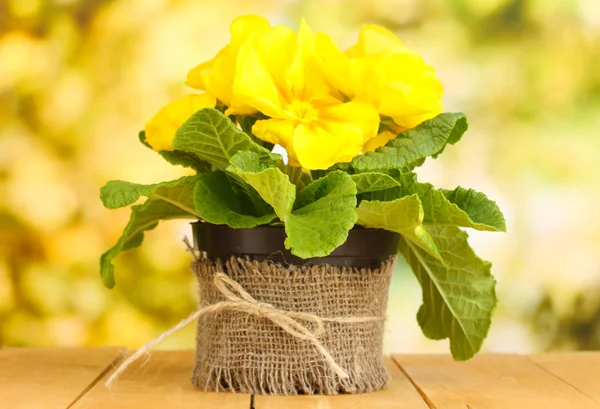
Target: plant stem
{"type": "Point", "coordinates": [297, 175]}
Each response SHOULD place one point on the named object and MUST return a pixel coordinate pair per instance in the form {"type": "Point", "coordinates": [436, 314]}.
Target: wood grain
{"type": "Point", "coordinates": [400, 394]}
{"type": "Point", "coordinates": [579, 369]}
{"type": "Point", "coordinates": [72, 379]}
{"type": "Point", "coordinates": [161, 382]}
{"type": "Point", "coordinates": [35, 378]}
{"type": "Point", "coordinates": [490, 382]}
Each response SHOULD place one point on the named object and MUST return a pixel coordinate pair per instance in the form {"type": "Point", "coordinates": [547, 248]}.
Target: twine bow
{"type": "Point", "coordinates": [238, 299]}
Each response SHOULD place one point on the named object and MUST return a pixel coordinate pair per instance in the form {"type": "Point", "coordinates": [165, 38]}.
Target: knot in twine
{"type": "Point", "coordinates": [239, 300]}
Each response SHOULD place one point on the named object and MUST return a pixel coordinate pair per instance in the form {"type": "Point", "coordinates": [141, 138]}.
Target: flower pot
{"type": "Point", "coordinates": [311, 326]}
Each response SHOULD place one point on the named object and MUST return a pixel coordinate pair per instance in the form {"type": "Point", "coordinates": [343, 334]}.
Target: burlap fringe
{"type": "Point", "coordinates": [241, 353]}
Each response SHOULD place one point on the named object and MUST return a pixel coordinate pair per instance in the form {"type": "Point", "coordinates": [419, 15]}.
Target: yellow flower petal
{"type": "Point", "coordinates": [374, 39]}
{"type": "Point", "coordinates": [278, 73]}
{"type": "Point", "coordinates": [410, 121]}
{"type": "Point", "coordinates": [411, 94]}
{"type": "Point", "coordinates": [194, 76]}
{"type": "Point", "coordinates": [217, 75]}
{"type": "Point", "coordinates": [335, 134]}
{"type": "Point", "coordinates": [279, 132]}
{"type": "Point", "coordinates": [400, 85]}
{"type": "Point", "coordinates": [304, 79]}
{"type": "Point", "coordinates": [276, 131]}
{"type": "Point", "coordinates": [321, 144]}
{"type": "Point", "coordinates": [369, 82]}
{"type": "Point", "coordinates": [379, 141]}
{"type": "Point", "coordinates": [354, 51]}
{"type": "Point", "coordinates": [260, 75]}
{"type": "Point", "coordinates": [335, 65]}
{"type": "Point", "coordinates": [387, 74]}
{"type": "Point", "coordinates": [356, 114]}
{"type": "Point", "coordinates": [160, 130]}
{"type": "Point", "coordinates": [242, 27]}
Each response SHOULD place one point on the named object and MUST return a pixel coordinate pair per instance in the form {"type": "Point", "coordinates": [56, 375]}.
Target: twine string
{"type": "Point", "coordinates": [239, 300]}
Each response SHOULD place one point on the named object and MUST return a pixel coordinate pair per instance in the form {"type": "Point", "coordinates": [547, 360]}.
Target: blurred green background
{"type": "Point", "coordinates": [78, 80]}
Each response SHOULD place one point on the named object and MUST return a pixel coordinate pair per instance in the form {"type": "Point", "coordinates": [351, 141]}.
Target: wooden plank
{"type": "Point", "coordinates": [400, 394]}
{"type": "Point", "coordinates": [162, 381]}
{"type": "Point", "coordinates": [490, 382]}
{"type": "Point", "coordinates": [579, 369]}
{"type": "Point", "coordinates": [32, 378]}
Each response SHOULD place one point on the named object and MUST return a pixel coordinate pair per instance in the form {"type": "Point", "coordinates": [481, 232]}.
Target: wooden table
{"type": "Point", "coordinates": [73, 379]}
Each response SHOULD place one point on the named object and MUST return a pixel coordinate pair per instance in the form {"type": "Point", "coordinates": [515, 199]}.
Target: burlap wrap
{"type": "Point", "coordinates": [244, 353]}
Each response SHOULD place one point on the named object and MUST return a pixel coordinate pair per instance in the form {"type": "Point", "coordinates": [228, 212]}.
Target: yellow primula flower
{"type": "Point", "coordinates": [381, 70]}
{"type": "Point", "coordinates": [216, 76]}
{"type": "Point", "coordinates": [277, 74]}
{"type": "Point", "coordinates": [160, 130]}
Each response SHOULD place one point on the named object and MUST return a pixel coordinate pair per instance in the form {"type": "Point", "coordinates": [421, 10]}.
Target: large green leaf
{"type": "Point", "coordinates": [481, 212]}
{"type": "Point", "coordinates": [212, 137]}
{"type": "Point", "coordinates": [177, 157]}
{"type": "Point", "coordinates": [459, 207]}
{"type": "Point", "coordinates": [412, 146]}
{"type": "Point", "coordinates": [459, 296]}
{"type": "Point", "coordinates": [404, 216]}
{"type": "Point", "coordinates": [257, 205]}
{"type": "Point", "coordinates": [405, 186]}
{"type": "Point", "coordinates": [173, 202]}
{"type": "Point", "coordinates": [119, 193]}
{"type": "Point", "coordinates": [273, 186]}
{"type": "Point", "coordinates": [217, 202]}
{"type": "Point", "coordinates": [373, 182]}
{"type": "Point", "coordinates": [324, 216]}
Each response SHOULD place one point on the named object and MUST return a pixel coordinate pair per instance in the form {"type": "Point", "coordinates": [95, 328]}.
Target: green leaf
{"type": "Point", "coordinates": [216, 202]}
{"type": "Point", "coordinates": [256, 203]}
{"type": "Point", "coordinates": [404, 216]}
{"type": "Point", "coordinates": [176, 157]}
{"type": "Point", "coordinates": [385, 195]}
{"type": "Point", "coordinates": [142, 138]}
{"type": "Point", "coordinates": [331, 184]}
{"type": "Point", "coordinates": [412, 146]}
{"type": "Point", "coordinates": [373, 182]}
{"type": "Point", "coordinates": [482, 213]}
{"type": "Point", "coordinates": [273, 186]}
{"type": "Point", "coordinates": [324, 217]}
{"type": "Point", "coordinates": [459, 207]}
{"type": "Point", "coordinates": [405, 186]}
{"type": "Point", "coordinates": [250, 162]}
{"type": "Point", "coordinates": [212, 137]}
{"type": "Point", "coordinates": [119, 193]}
{"type": "Point", "coordinates": [175, 202]}
{"type": "Point", "coordinates": [459, 296]}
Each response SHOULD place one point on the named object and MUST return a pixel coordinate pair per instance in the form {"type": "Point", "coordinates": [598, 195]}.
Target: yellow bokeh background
{"type": "Point", "coordinates": [79, 78]}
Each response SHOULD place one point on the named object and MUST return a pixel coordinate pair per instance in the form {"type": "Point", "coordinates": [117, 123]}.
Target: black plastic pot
{"type": "Point", "coordinates": [363, 248]}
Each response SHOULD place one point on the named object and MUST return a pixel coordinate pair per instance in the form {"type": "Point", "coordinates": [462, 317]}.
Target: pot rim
{"type": "Point", "coordinates": [362, 248]}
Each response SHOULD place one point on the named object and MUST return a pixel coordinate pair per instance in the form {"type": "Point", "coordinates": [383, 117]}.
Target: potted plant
{"type": "Point", "coordinates": [295, 257]}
